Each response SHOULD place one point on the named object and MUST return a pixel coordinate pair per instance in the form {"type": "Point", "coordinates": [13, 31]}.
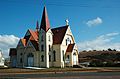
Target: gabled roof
{"type": "Point", "coordinates": [58, 34]}
{"type": "Point", "coordinates": [34, 34]}
{"type": "Point", "coordinates": [70, 48]}
{"type": "Point", "coordinates": [32, 37]}
{"type": "Point", "coordinates": [35, 44]}
{"type": "Point", "coordinates": [45, 25]}
{"type": "Point", "coordinates": [23, 41]}
{"type": "Point", "coordinates": [13, 52]}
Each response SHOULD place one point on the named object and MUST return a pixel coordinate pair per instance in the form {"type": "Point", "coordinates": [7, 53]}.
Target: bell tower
{"type": "Point", "coordinates": [45, 40]}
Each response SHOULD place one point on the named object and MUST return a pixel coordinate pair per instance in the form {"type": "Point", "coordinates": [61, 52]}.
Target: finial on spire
{"type": "Point", "coordinates": [67, 22]}
{"type": "Point", "coordinates": [37, 26]}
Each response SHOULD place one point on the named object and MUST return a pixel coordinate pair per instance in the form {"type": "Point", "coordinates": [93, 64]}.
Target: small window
{"type": "Point", "coordinates": [42, 47]}
{"type": "Point", "coordinates": [68, 41]}
{"type": "Point", "coordinates": [42, 38]}
{"type": "Point", "coordinates": [49, 48]}
{"type": "Point", "coordinates": [21, 54]}
{"type": "Point", "coordinates": [49, 58]}
{"type": "Point", "coordinates": [49, 38]}
{"type": "Point", "coordinates": [74, 53]}
{"type": "Point", "coordinates": [42, 58]}
{"type": "Point", "coordinates": [54, 55]}
{"type": "Point", "coordinates": [20, 60]}
{"type": "Point", "coordinates": [68, 57]}
{"type": "Point", "coordinates": [63, 55]}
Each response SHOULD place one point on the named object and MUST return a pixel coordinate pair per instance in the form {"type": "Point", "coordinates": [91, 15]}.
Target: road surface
{"type": "Point", "coordinates": [62, 75]}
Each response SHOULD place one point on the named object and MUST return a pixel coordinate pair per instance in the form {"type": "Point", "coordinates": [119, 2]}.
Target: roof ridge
{"type": "Point", "coordinates": [60, 27]}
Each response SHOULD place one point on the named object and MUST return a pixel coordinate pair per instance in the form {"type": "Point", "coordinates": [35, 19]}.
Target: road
{"type": "Point", "coordinates": [63, 75]}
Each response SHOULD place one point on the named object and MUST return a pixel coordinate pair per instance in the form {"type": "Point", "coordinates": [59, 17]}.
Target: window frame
{"type": "Point", "coordinates": [42, 38]}
{"type": "Point", "coordinates": [63, 55]}
{"type": "Point", "coordinates": [21, 61]}
{"type": "Point", "coordinates": [54, 55]}
{"type": "Point", "coordinates": [49, 58]}
{"type": "Point", "coordinates": [49, 47]}
{"type": "Point", "coordinates": [49, 38]}
{"type": "Point", "coordinates": [42, 48]}
{"type": "Point", "coordinates": [42, 58]}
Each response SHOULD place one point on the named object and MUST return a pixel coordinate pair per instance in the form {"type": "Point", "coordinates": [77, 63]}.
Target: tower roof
{"type": "Point", "coordinates": [45, 25]}
{"type": "Point", "coordinates": [37, 25]}
{"type": "Point", "coordinates": [58, 34]}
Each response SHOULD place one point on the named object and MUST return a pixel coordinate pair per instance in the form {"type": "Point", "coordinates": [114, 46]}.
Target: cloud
{"type": "Point", "coordinates": [6, 42]}
{"type": "Point", "coordinates": [100, 43]}
{"type": "Point", "coordinates": [94, 22]}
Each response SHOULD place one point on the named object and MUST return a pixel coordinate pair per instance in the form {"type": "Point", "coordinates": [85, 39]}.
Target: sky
{"type": "Point", "coordinates": [95, 24]}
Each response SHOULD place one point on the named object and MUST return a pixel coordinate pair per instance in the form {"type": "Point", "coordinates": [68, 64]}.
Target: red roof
{"type": "Point", "coordinates": [23, 41]}
{"type": "Point", "coordinates": [34, 35]}
{"type": "Point", "coordinates": [45, 25]}
{"type": "Point", "coordinates": [13, 52]}
{"type": "Point", "coordinates": [58, 34]}
{"type": "Point", "coordinates": [70, 48]}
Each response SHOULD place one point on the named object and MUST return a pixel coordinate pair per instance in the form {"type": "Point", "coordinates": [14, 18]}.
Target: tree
{"type": "Point", "coordinates": [118, 56]}
{"type": "Point", "coordinates": [96, 63]}
{"type": "Point", "coordinates": [109, 49]}
{"type": "Point", "coordinates": [114, 49]}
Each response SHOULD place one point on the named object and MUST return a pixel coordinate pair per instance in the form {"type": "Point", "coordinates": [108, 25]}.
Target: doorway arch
{"type": "Point", "coordinates": [74, 58]}
{"type": "Point", "coordinates": [30, 60]}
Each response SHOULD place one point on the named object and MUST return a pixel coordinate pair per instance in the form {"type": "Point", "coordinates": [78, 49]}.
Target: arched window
{"type": "Point", "coordinates": [21, 54]}
{"type": "Point", "coordinates": [42, 47]}
{"type": "Point", "coordinates": [49, 48]}
{"type": "Point", "coordinates": [74, 53]}
{"type": "Point", "coordinates": [49, 38]}
{"type": "Point", "coordinates": [49, 58]}
{"type": "Point", "coordinates": [68, 41]}
{"type": "Point", "coordinates": [54, 55]}
{"type": "Point", "coordinates": [42, 38]}
{"type": "Point", "coordinates": [30, 55]}
{"type": "Point", "coordinates": [20, 60]}
{"type": "Point", "coordinates": [63, 55]}
{"type": "Point", "coordinates": [68, 57]}
{"type": "Point", "coordinates": [42, 58]}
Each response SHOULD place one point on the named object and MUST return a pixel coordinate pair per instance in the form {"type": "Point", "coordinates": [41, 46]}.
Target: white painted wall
{"type": "Point", "coordinates": [2, 60]}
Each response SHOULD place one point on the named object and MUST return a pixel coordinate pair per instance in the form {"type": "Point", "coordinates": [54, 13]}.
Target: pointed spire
{"type": "Point", "coordinates": [37, 26]}
{"type": "Point", "coordinates": [45, 25]}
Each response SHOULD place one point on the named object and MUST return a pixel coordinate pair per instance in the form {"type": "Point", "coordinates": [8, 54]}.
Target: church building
{"type": "Point", "coordinates": [2, 59]}
{"type": "Point", "coordinates": [45, 47]}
